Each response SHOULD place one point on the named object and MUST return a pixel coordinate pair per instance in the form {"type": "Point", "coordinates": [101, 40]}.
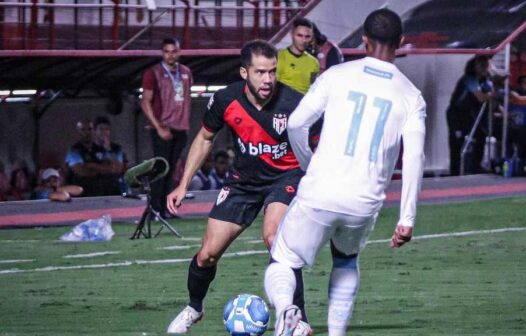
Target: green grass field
{"type": "Point", "coordinates": [451, 285]}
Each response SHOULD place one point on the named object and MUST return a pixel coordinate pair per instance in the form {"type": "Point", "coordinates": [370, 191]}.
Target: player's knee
{"type": "Point", "coordinates": [207, 259]}
{"type": "Point", "coordinates": [268, 239]}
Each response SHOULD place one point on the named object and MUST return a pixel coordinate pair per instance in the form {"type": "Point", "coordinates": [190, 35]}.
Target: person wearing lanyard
{"type": "Point", "coordinates": [166, 103]}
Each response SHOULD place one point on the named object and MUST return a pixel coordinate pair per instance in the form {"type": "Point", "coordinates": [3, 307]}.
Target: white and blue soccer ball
{"type": "Point", "coordinates": [246, 315]}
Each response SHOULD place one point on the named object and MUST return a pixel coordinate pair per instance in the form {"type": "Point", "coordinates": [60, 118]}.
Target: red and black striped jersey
{"type": "Point", "coordinates": [263, 151]}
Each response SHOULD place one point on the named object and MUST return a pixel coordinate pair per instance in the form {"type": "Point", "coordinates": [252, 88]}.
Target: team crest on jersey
{"type": "Point", "coordinates": [222, 195]}
{"type": "Point", "coordinates": [279, 122]}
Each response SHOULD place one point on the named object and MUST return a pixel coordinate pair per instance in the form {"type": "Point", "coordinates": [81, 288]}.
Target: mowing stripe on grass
{"type": "Point", "coordinates": [242, 253]}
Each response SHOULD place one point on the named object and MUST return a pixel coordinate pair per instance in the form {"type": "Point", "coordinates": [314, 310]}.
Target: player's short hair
{"type": "Point", "coordinates": [101, 120]}
{"type": "Point", "coordinates": [257, 48]}
{"type": "Point", "coordinates": [384, 26]}
{"type": "Point", "coordinates": [303, 22]}
{"type": "Point", "coordinates": [170, 40]}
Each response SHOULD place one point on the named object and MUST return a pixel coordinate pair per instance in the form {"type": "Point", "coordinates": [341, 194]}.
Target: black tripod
{"type": "Point", "coordinates": [148, 215]}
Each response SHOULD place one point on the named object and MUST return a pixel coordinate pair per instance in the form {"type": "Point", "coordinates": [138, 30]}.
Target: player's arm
{"type": "Point", "coordinates": [412, 170]}
{"type": "Point", "coordinates": [309, 110]}
{"type": "Point", "coordinates": [199, 151]}
{"type": "Point", "coordinates": [147, 106]}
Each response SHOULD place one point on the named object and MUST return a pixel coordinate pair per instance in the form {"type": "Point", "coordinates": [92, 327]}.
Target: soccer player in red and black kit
{"type": "Point", "coordinates": [266, 171]}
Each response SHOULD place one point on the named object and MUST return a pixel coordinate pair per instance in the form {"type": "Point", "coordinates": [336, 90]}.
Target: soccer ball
{"type": "Point", "coordinates": [246, 315]}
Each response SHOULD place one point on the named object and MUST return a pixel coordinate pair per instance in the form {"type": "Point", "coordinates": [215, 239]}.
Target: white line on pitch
{"type": "Point", "coordinates": [454, 234]}
{"type": "Point", "coordinates": [242, 253]}
{"type": "Point", "coordinates": [178, 247]}
{"type": "Point", "coordinates": [14, 261]}
{"type": "Point", "coordinates": [90, 255]}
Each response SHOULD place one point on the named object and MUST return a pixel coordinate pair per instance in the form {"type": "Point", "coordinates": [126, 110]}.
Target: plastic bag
{"type": "Point", "coordinates": [91, 230]}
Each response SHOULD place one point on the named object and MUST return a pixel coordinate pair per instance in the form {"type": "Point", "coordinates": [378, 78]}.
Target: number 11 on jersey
{"type": "Point", "coordinates": [360, 100]}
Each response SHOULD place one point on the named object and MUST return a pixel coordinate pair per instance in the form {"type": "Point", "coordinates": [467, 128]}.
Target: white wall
{"type": "Point", "coordinates": [435, 76]}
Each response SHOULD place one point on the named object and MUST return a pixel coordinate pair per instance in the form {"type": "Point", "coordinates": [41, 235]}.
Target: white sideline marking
{"type": "Point", "coordinates": [255, 241]}
{"type": "Point", "coordinates": [13, 261]}
{"type": "Point", "coordinates": [179, 247]}
{"type": "Point", "coordinates": [454, 234]}
{"type": "Point", "coordinates": [20, 241]}
{"type": "Point", "coordinates": [90, 255]}
{"type": "Point", "coordinates": [241, 253]}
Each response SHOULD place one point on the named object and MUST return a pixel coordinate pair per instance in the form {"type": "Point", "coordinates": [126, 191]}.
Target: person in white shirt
{"type": "Point", "coordinates": [369, 107]}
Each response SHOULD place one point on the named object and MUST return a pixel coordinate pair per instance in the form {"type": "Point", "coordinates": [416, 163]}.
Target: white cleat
{"type": "Point", "coordinates": [287, 321]}
{"type": "Point", "coordinates": [182, 323]}
{"type": "Point", "coordinates": [303, 329]}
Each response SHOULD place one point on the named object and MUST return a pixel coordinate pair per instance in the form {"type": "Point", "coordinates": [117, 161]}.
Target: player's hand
{"type": "Point", "coordinates": [164, 133]}
{"type": "Point", "coordinates": [402, 234]}
{"type": "Point", "coordinates": [175, 199]}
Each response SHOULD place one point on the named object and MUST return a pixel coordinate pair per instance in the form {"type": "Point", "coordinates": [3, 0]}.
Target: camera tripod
{"type": "Point", "coordinates": [144, 226]}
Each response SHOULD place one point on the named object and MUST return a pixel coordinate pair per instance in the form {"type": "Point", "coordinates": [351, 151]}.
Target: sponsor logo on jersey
{"type": "Point", "coordinates": [277, 151]}
{"type": "Point", "coordinates": [290, 189]}
{"type": "Point", "coordinates": [222, 195]}
{"type": "Point", "coordinates": [279, 122]}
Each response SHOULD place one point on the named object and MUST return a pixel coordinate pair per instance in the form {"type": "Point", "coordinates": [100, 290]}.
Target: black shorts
{"type": "Point", "coordinates": [240, 203]}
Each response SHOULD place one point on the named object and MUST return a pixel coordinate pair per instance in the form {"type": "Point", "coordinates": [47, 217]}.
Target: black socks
{"type": "Point", "coordinates": [199, 279]}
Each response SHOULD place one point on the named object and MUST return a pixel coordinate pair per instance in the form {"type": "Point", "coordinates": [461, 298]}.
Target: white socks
{"type": "Point", "coordinates": [343, 285]}
{"type": "Point", "coordinates": [280, 285]}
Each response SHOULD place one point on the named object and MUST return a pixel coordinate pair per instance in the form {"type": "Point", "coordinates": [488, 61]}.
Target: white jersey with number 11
{"type": "Point", "coordinates": [368, 107]}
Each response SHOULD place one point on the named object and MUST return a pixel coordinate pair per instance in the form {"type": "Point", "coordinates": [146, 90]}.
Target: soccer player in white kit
{"type": "Point", "coordinates": [369, 107]}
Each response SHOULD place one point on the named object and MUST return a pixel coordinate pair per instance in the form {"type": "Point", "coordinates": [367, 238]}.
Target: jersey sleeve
{"type": "Point", "coordinates": [148, 80]}
{"type": "Point", "coordinates": [413, 136]}
{"type": "Point", "coordinates": [309, 110]}
{"type": "Point", "coordinates": [213, 119]}
{"type": "Point", "coordinates": [73, 158]}
{"type": "Point", "coordinates": [416, 121]}
{"type": "Point", "coordinates": [472, 84]}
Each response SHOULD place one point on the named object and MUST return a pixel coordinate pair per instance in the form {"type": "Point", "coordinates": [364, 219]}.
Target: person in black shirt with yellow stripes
{"type": "Point", "coordinates": [265, 176]}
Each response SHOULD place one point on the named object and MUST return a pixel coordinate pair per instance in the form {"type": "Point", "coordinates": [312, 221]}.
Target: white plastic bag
{"type": "Point", "coordinates": [91, 230]}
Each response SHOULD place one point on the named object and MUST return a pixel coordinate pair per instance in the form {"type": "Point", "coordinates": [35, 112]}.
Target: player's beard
{"type": "Point", "coordinates": [255, 92]}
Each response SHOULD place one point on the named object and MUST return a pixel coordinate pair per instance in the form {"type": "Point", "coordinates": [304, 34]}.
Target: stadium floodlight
{"type": "Point", "coordinates": [151, 4]}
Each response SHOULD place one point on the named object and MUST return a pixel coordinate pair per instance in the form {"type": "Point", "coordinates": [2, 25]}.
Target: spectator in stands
{"type": "Point", "coordinates": [112, 157]}
{"type": "Point", "coordinates": [50, 187]}
{"type": "Point", "coordinates": [85, 162]}
{"type": "Point", "coordinates": [203, 180]}
{"type": "Point", "coordinates": [20, 186]}
{"type": "Point", "coordinates": [4, 183]}
{"type": "Point", "coordinates": [327, 53]}
{"type": "Point", "coordinates": [231, 156]}
{"type": "Point", "coordinates": [166, 103]}
{"type": "Point", "coordinates": [296, 67]}
{"type": "Point", "coordinates": [471, 91]}
{"type": "Point", "coordinates": [221, 168]}
{"type": "Point", "coordinates": [517, 128]}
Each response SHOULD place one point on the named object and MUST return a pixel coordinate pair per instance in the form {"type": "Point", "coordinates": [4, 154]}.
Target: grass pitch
{"type": "Point", "coordinates": [444, 285]}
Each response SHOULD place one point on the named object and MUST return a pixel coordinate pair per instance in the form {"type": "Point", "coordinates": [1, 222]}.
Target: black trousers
{"type": "Point", "coordinates": [170, 150]}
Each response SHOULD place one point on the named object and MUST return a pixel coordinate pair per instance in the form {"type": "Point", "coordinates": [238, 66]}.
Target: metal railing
{"type": "Point", "coordinates": [110, 25]}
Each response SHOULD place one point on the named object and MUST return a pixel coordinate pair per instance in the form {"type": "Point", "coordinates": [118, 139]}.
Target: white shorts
{"type": "Point", "coordinates": [305, 230]}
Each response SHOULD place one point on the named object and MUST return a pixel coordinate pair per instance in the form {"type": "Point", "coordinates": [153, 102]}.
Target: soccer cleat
{"type": "Point", "coordinates": [182, 323]}
{"type": "Point", "coordinates": [302, 329]}
{"type": "Point", "coordinates": [287, 321]}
